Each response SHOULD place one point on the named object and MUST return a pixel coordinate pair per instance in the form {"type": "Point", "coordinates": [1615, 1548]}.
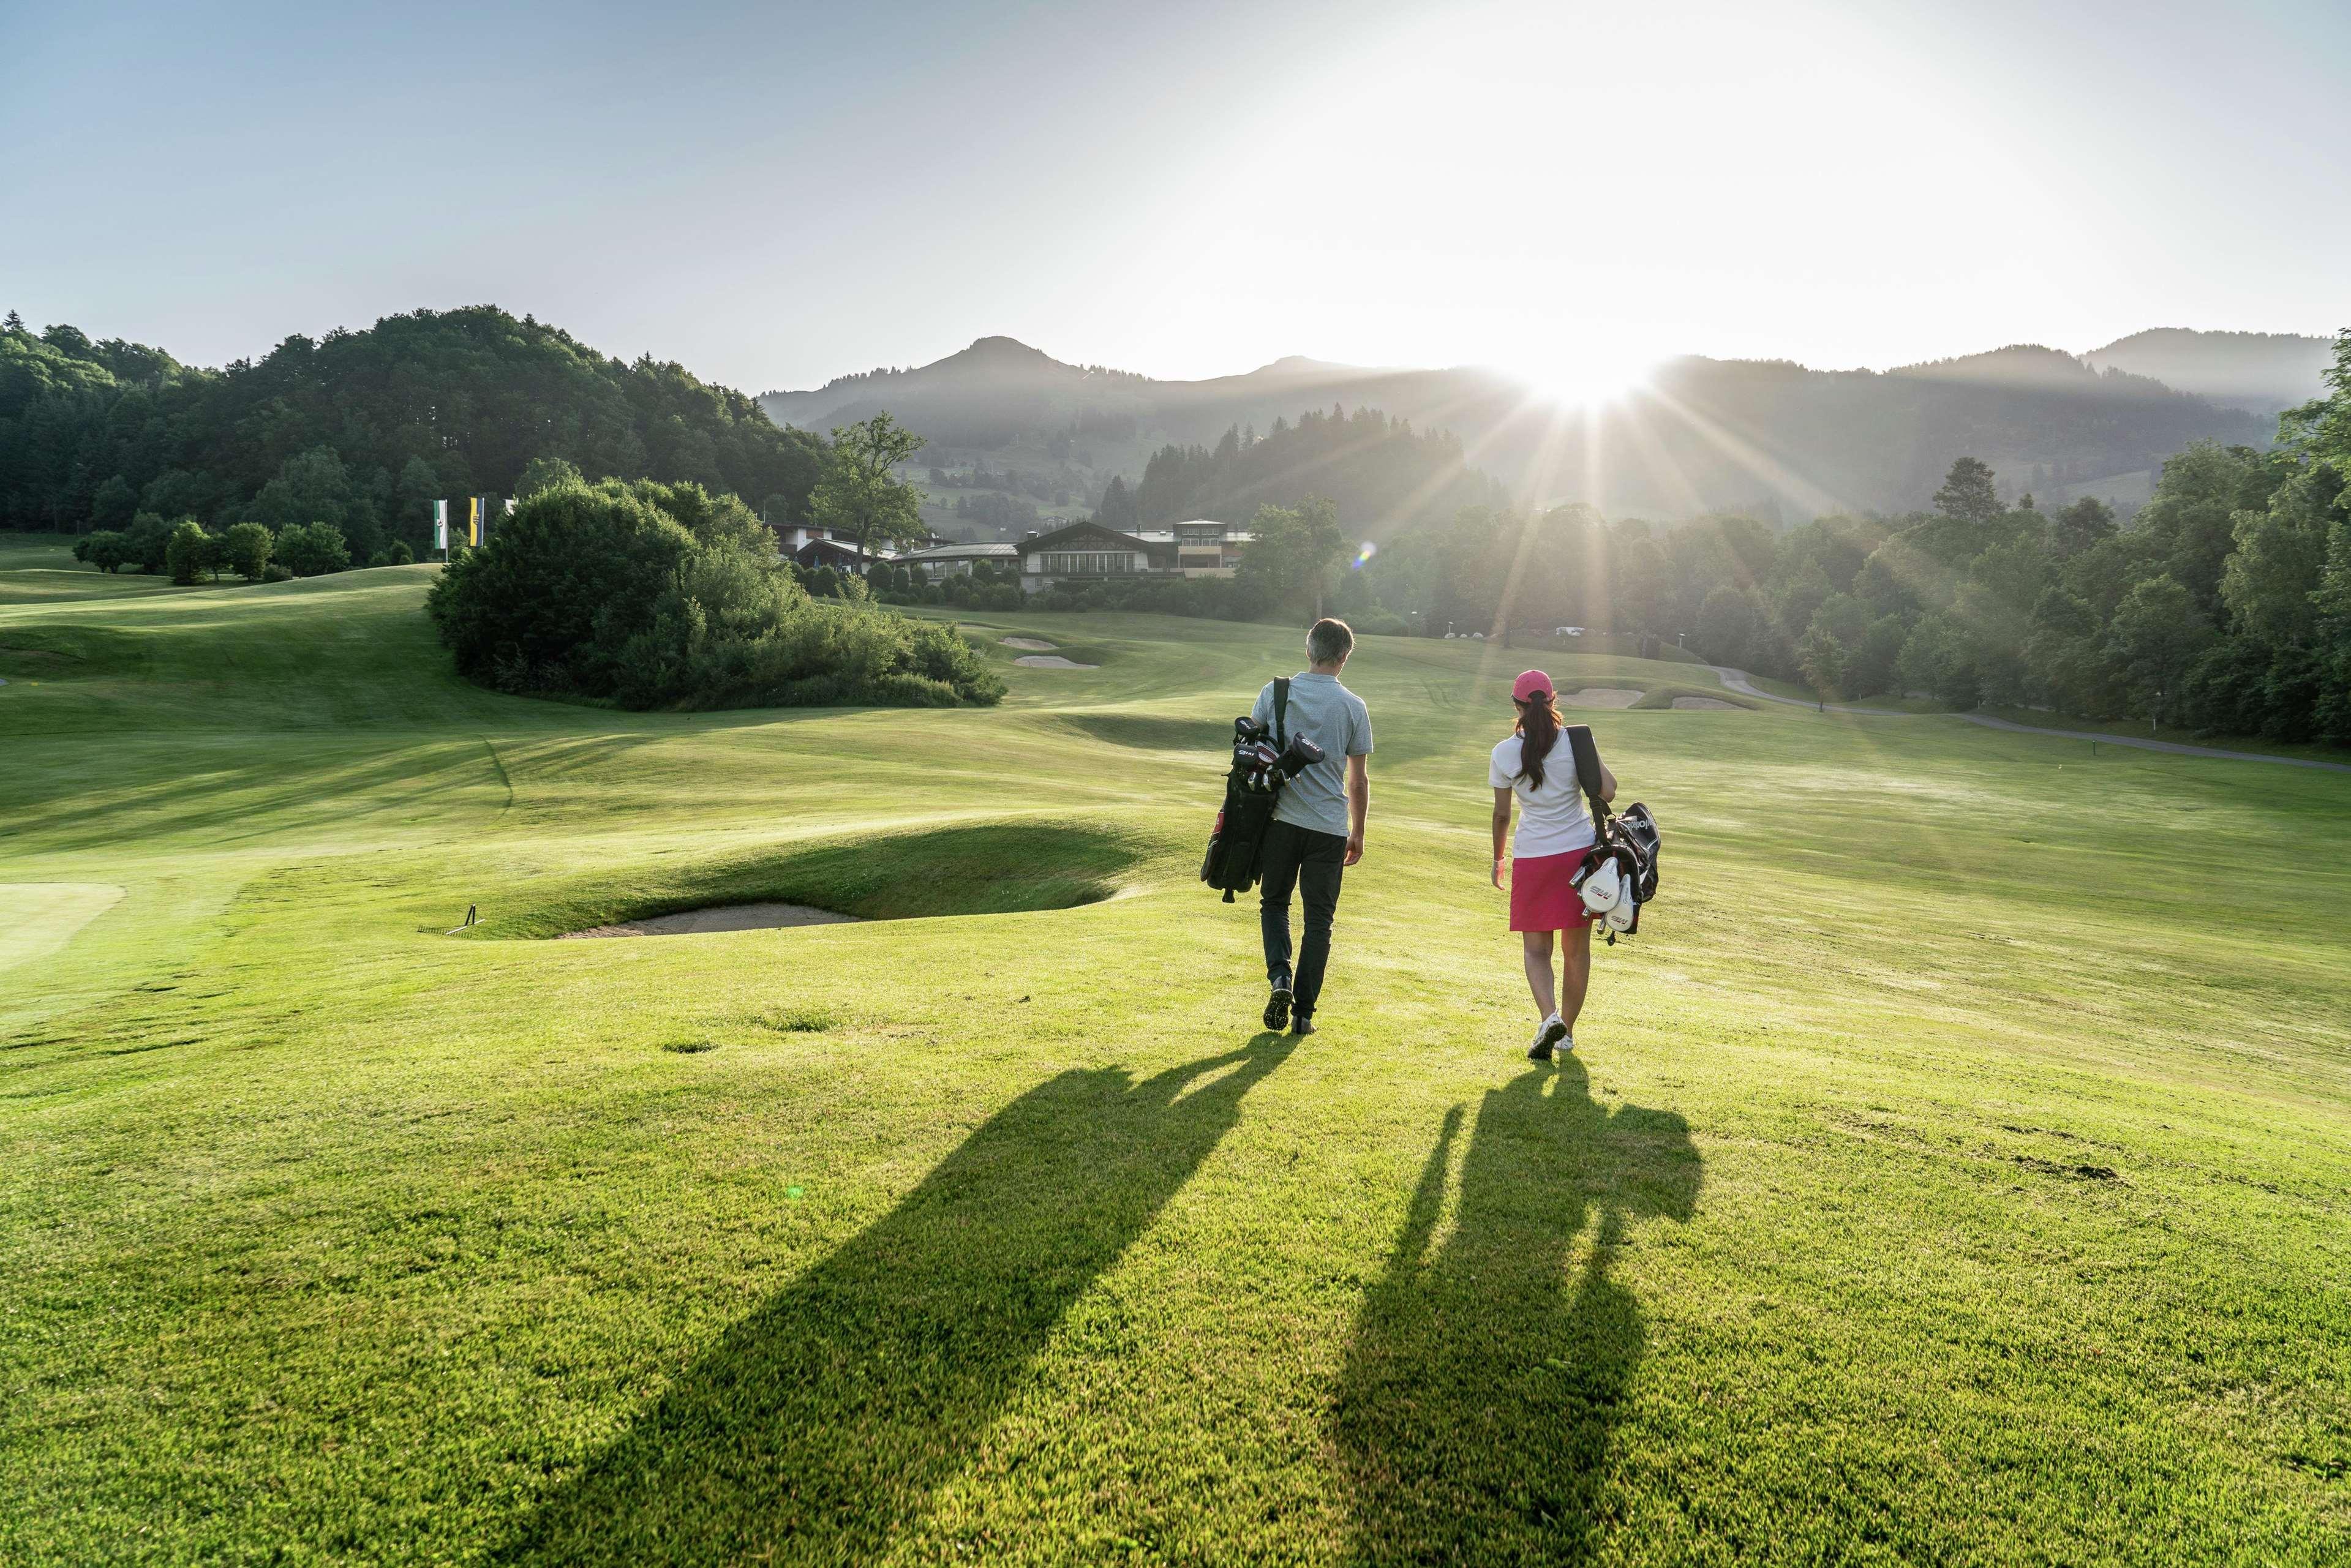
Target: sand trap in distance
{"type": "Point", "coordinates": [1705, 702]}
{"type": "Point", "coordinates": [37, 918]}
{"type": "Point", "coordinates": [1030, 642]}
{"type": "Point", "coordinates": [1601, 696]}
{"type": "Point", "coordinates": [732, 917]}
{"type": "Point", "coordinates": [1051, 662]}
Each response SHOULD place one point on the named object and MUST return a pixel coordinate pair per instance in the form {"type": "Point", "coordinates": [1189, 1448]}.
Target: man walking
{"type": "Point", "coordinates": [1318, 825]}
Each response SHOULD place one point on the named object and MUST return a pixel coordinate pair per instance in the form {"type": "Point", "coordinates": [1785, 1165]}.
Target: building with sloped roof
{"type": "Point", "coordinates": [1089, 552]}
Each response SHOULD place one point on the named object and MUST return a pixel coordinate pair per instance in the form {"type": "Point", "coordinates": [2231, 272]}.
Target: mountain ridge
{"type": "Point", "coordinates": [1770, 437]}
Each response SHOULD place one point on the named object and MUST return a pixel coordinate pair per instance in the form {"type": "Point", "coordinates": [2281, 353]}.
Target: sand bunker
{"type": "Point", "coordinates": [1030, 642]}
{"type": "Point", "coordinates": [733, 917]}
{"type": "Point", "coordinates": [1705, 702]}
{"type": "Point", "coordinates": [1601, 696]}
{"type": "Point", "coordinates": [1051, 662]}
{"type": "Point", "coordinates": [37, 918]}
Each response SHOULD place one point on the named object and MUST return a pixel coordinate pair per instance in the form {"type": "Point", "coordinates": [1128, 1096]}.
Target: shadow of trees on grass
{"type": "Point", "coordinates": [1485, 1380]}
{"type": "Point", "coordinates": [819, 1426]}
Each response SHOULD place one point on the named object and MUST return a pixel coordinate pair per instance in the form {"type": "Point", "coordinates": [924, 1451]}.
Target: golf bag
{"type": "Point", "coordinates": [1619, 873]}
{"type": "Point", "coordinates": [1263, 761]}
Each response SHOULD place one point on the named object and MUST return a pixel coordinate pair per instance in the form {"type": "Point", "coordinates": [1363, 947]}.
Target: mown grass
{"type": "Point", "coordinates": [1956, 1169]}
{"type": "Point", "coordinates": [39, 569]}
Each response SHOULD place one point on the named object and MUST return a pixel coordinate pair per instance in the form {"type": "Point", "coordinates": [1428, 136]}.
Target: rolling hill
{"type": "Point", "coordinates": [2260, 371]}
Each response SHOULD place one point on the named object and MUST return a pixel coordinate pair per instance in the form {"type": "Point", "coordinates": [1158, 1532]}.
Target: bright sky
{"type": "Point", "coordinates": [774, 194]}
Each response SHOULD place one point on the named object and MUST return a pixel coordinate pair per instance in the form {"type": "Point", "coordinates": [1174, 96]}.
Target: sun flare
{"type": "Point", "coordinates": [1582, 380]}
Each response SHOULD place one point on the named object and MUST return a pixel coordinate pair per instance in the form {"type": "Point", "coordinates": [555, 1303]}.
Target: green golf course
{"type": "Point", "coordinates": [1956, 1169]}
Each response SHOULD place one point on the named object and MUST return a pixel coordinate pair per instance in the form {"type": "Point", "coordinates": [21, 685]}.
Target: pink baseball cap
{"type": "Point", "coordinates": [1531, 684]}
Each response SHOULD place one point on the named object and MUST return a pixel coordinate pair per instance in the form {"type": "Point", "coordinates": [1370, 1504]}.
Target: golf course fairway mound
{"type": "Point", "coordinates": [726, 917]}
{"type": "Point", "coordinates": [1019, 865]}
{"type": "Point", "coordinates": [1935, 1179]}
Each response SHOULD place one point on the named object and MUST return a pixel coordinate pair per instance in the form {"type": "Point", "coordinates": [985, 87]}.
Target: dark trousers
{"type": "Point", "coordinates": [1312, 863]}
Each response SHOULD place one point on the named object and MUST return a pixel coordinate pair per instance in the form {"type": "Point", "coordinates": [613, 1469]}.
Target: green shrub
{"type": "Point", "coordinates": [274, 572]}
{"type": "Point", "coordinates": [664, 596]}
{"type": "Point", "coordinates": [108, 550]}
{"type": "Point", "coordinates": [191, 552]}
{"type": "Point", "coordinates": [246, 546]}
{"type": "Point", "coordinates": [313, 549]}
{"type": "Point", "coordinates": [145, 545]}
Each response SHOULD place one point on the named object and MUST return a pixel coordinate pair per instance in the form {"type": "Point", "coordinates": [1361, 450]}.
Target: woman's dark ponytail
{"type": "Point", "coordinates": [1537, 731]}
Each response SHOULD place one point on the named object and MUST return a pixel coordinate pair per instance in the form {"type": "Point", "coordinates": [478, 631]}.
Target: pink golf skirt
{"type": "Point", "coordinates": [1541, 898]}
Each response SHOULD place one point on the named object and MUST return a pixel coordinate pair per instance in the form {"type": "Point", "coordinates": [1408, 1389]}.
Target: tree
{"type": "Point", "coordinates": [15, 323]}
{"type": "Point", "coordinates": [105, 549]}
{"type": "Point", "coordinates": [114, 504]}
{"type": "Point", "coordinates": [146, 546]}
{"type": "Point", "coordinates": [1292, 552]}
{"type": "Point", "coordinates": [2157, 633]}
{"type": "Point", "coordinates": [2190, 521]}
{"type": "Point", "coordinates": [598, 590]}
{"type": "Point", "coordinates": [1727, 623]}
{"type": "Point", "coordinates": [2269, 580]}
{"type": "Point", "coordinates": [1638, 586]}
{"type": "Point", "coordinates": [413, 498]}
{"type": "Point", "coordinates": [859, 497]}
{"type": "Point", "coordinates": [191, 552]}
{"type": "Point", "coordinates": [1822, 659]}
{"type": "Point", "coordinates": [1117, 508]}
{"type": "Point", "coordinates": [315, 486]}
{"type": "Point", "coordinates": [1968, 493]}
{"type": "Point", "coordinates": [312, 550]}
{"type": "Point", "coordinates": [245, 548]}
{"type": "Point", "coordinates": [545, 474]}
{"type": "Point", "coordinates": [2085, 523]}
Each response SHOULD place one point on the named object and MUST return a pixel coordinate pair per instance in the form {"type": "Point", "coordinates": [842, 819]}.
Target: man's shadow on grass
{"type": "Point", "coordinates": [1485, 1380]}
{"type": "Point", "coordinates": [819, 1425]}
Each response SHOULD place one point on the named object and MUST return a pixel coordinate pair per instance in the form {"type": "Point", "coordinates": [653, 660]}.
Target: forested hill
{"type": "Point", "coordinates": [363, 429]}
{"type": "Point", "coordinates": [2261, 372]}
{"type": "Point", "coordinates": [1381, 477]}
{"type": "Point", "coordinates": [1767, 438]}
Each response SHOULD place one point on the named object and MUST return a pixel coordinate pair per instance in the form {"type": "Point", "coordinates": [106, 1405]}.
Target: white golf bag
{"type": "Point", "coordinates": [1619, 873]}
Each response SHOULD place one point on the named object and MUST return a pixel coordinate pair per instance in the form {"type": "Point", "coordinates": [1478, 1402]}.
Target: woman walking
{"type": "Point", "coordinates": [1532, 769]}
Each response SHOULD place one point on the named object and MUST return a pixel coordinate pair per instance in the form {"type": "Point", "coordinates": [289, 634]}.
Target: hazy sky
{"type": "Point", "coordinates": [775, 194]}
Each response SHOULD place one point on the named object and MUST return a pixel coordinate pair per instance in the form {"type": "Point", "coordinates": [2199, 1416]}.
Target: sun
{"type": "Point", "coordinates": [1574, 378]}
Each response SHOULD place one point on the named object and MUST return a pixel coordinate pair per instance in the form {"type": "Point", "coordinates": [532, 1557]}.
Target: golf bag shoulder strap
{"type": "Point", "coordinates": [1587, 768]}
{"type": "Point", "coordinates": [1281, 711]}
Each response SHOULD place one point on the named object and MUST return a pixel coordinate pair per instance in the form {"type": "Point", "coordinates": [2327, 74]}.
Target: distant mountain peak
{"type": "Point", "coordinates": [1003, 348]}
{"type": "Point", "coordinates": [1300, 365]}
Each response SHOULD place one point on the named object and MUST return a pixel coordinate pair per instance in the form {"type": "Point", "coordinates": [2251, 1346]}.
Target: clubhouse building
{"type": "Point", "coordinates": [1089, 552]}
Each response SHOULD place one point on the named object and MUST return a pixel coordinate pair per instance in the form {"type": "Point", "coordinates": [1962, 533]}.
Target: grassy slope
{"type": "Point", "coordinates": [1947, 1176]}
{"type": "Point", "coordinates": [39, 569]}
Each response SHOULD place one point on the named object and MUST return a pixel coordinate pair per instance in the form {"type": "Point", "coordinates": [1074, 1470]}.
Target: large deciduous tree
{"type": "Point", "coordinates": [1293, 552]}
{"type": "Point", "coordinates": [859, 495]}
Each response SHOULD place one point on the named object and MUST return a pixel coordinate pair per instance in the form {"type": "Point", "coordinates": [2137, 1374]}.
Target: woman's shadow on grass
{"type": "Point", "coordinates": [1485, 1380]}
{"type": "Point", "coordinates": [820, 1425]}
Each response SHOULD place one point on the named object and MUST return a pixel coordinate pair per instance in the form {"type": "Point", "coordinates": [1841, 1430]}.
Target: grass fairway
{"type": "Point", "coordinates": [1956, 1170]}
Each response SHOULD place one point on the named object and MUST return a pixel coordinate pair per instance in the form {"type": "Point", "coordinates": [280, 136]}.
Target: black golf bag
{"type": "Point", "coordinates": [1627, 839]}
{"type": "Point", "coordinates": [1263, 761]}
